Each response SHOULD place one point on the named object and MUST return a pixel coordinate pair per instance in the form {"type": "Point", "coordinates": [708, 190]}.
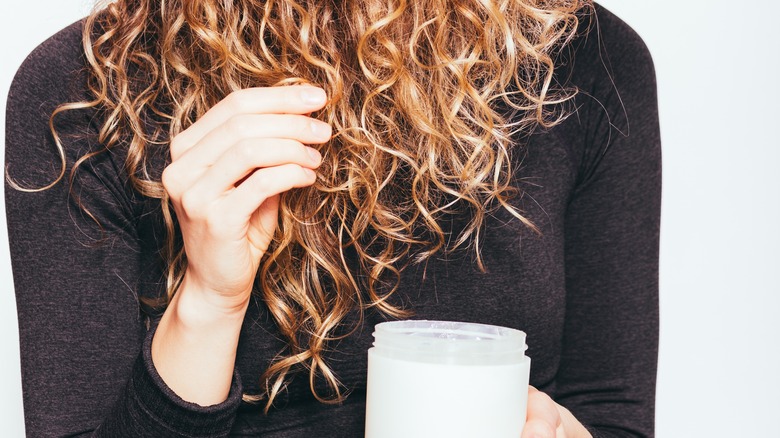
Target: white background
{"type": "Point", "coordinates": [718, 66]}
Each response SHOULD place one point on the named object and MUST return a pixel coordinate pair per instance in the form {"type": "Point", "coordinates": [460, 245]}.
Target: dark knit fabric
{"type": "Point", "coordinates": [585, 289]}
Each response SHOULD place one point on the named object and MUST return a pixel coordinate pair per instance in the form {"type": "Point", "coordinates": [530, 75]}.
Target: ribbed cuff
{"type": "Point", "coordinates": [173, 416]}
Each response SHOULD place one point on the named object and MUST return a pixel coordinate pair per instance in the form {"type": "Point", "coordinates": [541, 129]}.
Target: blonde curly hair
{"type": "Point", "coordinates": [425, 99]}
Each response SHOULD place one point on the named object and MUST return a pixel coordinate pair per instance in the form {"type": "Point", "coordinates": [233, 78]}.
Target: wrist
{"type": "Point", "coordinates": [195, 304]}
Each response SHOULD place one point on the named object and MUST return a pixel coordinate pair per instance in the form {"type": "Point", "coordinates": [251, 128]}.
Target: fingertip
{"type": "Point", "coordinates": [312, 95]}
{"type": "Point", "coordinates": [309, 174]}
{"type": "Point", "coordinates": [314, 155]}
{"type": "Point", "coordinates": [320, 129]}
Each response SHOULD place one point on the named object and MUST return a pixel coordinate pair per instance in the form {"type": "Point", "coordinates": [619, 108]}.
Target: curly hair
{"type": "Point", "coordinates": [425, 99]}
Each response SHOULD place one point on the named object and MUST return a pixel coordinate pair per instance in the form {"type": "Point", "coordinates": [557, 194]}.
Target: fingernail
{"type": "Point", "coordinates": [312, 95]}
{"type": "Point", "coordinates": [321, 130]}
{"type": "Point", "coordinates": [314, 154]}
{"type": "Point", "coordinates": [308, 172]}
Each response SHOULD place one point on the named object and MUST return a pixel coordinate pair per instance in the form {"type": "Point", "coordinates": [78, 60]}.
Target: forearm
{"type": "Point", "coordinates": [194, 347]}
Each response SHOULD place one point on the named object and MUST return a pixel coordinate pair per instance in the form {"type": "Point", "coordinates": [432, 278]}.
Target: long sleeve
{"type": "Point", "coordinates": [85, 355]}
{"type": "Point", "coordinates": [609, 352]}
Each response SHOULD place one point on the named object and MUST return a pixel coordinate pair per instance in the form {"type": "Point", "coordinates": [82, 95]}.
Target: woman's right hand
{"type": "Point", "coordinates": [224, 181]}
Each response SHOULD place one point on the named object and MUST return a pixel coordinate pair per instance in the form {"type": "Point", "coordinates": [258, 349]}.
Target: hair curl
{"type": "Point", "coordinates": [425, 97]}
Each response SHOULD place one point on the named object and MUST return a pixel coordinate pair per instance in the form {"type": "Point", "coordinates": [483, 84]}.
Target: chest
{"type": "Point", "coordinates": [522, 285]}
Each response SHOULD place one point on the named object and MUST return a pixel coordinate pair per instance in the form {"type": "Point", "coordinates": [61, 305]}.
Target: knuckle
{"type": "Point", "coordinates": [540, 397]}
{"type": "Point", "coordinates": [238, 126]}
{"type": "Point", "coordinates": [539, 428]}
{"type": "Point", "coordinates": [192, 205]}
{"type": "Point", "coordinates": [215, 223]}
{"type": "Point", "coordinates": [290, 96]}
{"type": "Point", "coordinates": [168, 180]}
{"type": "Point", "coordinates": [261, 181]}
{"type": "Point", "coordinates": [300, 151]}
{"type": "Point", "coordinates": [303, 124]}
{"type": "Point", "coordinates": [176, 147]}
{"type": "Point", "coordinates": [235, 101]}
{"type": "Point", "coordinates": [245, 151]}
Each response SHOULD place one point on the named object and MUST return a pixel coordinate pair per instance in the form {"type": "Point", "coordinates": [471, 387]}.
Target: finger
{"type": "Point", "coordinates": [538, 429]}
{"type": "Point", "coordinates": [543, 417]}
{"type": "Point", "coordinates": [263, 223]}
{"type": "Point", "coordinates": [290, 126]}
{"type": "Point", "coordinates": [572, 426]}
{"type": "Point", "coordinates": [249, 155]}
{"type": "Point", "coordinates": [184, 171]}
{"type": "Point", "coordinates": [298, 99]}
{"type": "Point", "coordinates": [560, 431]}
{"type": "Point", "coordinates": [265, 183]}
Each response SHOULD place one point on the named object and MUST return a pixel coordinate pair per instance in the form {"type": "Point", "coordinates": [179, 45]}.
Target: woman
{"type": "Point", "coordinates": [232, 193]}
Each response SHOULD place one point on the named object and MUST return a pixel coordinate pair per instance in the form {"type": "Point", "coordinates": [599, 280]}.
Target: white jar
{"type": "Point", "coordinates": [446, 379]}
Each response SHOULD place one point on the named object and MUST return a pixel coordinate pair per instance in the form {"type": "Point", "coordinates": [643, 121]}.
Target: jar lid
{"type": "Point", "coordinates": [450, 342]}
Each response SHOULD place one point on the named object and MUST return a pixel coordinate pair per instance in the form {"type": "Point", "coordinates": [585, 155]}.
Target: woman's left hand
{"type": "Point", "coordinates": [547, 419]}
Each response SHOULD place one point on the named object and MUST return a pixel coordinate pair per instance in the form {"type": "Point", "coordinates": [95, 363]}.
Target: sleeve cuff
{"type": "Point", "coordinates": [169, 412]}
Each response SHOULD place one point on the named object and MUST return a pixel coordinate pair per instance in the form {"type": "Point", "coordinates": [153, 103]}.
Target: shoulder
{"type": "Point", "coordinates": [614, 113]}
{"type": "Point", "coordinates": [609, 62]}
{"type": "Point", "coordinates": [49, 70]}
{"type": "Point", "coordinates": [607, 45]}
{"type": "Point", "coordinates": [51, 75]}
{"type": "Point", "coordinates": [610, 66]}
{"type": "Point", "coordinates": [616, 35]}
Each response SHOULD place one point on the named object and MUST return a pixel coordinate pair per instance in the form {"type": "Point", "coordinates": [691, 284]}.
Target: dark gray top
{"type": "Point", "coordinates": [585, 290]}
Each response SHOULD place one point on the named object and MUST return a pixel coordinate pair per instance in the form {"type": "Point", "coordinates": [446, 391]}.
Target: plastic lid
{"type": "Point", "coordinates": [460, 343]}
